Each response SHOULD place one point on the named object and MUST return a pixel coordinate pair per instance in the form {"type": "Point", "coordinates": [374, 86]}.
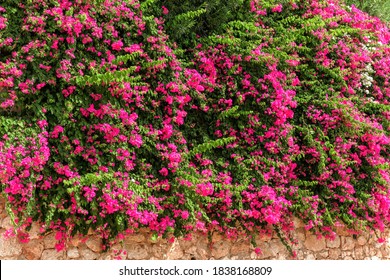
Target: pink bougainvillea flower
{"type": "Point", "coordinates": [117, 46]}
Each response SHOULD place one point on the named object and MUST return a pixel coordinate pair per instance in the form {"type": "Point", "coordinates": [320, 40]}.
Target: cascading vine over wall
{"type": "Point", "coordinates": [123, 116]}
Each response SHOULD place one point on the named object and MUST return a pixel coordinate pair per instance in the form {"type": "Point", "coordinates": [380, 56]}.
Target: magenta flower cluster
{"type": "Point", "coordinates": [108, 125]}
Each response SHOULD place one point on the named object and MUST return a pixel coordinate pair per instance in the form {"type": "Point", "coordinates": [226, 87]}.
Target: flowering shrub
{"type": "Point", "coordinates": [280, 111]}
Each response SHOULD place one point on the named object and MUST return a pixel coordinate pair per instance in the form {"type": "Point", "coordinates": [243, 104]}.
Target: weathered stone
{"type": "Point", "coordinates": [9, 247]}
{"type": "Point", "coordinates": [240, 249]}
{"type": "Point", "coordinates": [201, 254]}
{"type": "Point", "coordinates": [345, 254]}
{"type": "Point", "coordinates": [202, 249]}
{"type": "Point", "coordinates": [105, 257]}
{"type": "Point", "coordinates": [323, 255]}
{"type": "Point", "coordinates": [342, 231]}
{"type": "Point", "coordinates": [13, 258]}
{"type": "Point", "coordinates": [347, 243]}
{"type": "Point", "coordinates": [186, 244]}
{"type": "Point", "coordinates": [88, 254]}
{"type": "Point", "coordinates": [301, 235]}
{"type": "Point", "coordinates": [385, 252]}
{"type": "Point", "coordinates": [220, 249]}
{"type": "Point", "coordinates": [76, 241]}
{"type": "Point", "coordinates": [191, 250]}
{"type": "Point", "coordinates": [276, 246]}
{"type": "Point", "coordinates": [312, 243]}
{"type": "Point", "coordinates": [263, 238]}
{"type": "Point", "coordinates": [175, 252]}
{"type": "Point", "coordinates": [73, 253]}
{"type": "Point", "coordinates": [136, 251]}
{"type": "Point", "coordinates": [361, 240]}
{"type": "Point", "coordinates": [358, 253]}
{"type": "Point", "coordinates": [33, 250]}
{"type": "Point", "coordinates": [334, 254]}
{"type": "Point", "coordinates": [366, 250]}
{"type": "Point", "coordinates": [266, 252]}
{"type": "Point", "coordinates": [6, 223]}
{"type": "Point", "coordinates": [283, 256]}
{"type": "Point", "coordinates": [49, 241]}
{"type": "Point", "coordinates": [298, 223]}
{"type": "Point", "coordinates": [333, 243]}
{"type": "Point", "coordinates": [52, 254]}
{"type": "Point", "coordinates": [217, 237]}
{"type": "Point", "coordinates": [158, 251]}
{"type": "Point", "coordinates": [255, 256]}
{"type": "Point", "coordinates": [135, 238]}
{"type": "Point", "coordinates": [372, 252]}
{"type": "Point", "coordinates": [94, 243]}
{"type": "Point", "coordinates": [34, 232]}
{"type": "Point", "coordinates": [310, 257]}
{"type": "Point", "coordinates": [300, 255]}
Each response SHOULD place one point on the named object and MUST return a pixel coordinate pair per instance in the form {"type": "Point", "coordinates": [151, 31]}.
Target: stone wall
{"type": "Point", "coordinates": [141, 247]}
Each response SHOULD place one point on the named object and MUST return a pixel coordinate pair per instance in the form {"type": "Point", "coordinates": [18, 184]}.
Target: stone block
{"type": "Point", "coordinates": [220, 249]}
{"type": "Point", "coordinates": [52, 254]}
{"type": "Point", "coordinates": [6, 223]}
{"type": "Point", "coordinates": [33, 249]}
{"type": "Point", "coordinates": [175, 252]}
{"type": "Point", "coordinates": [9, 247]}
{"type": "Point", "coordinates": [333, 243]}
{"type": "Point", "coordinates": [312, 243]}
{"type": "Point", "coordinates": [88, 254]}
{"type": "Point", "coordinates": [322, 255]}
{"type": "Point", "coordinates": [298, 223]}
{"type": "Point", "coordinates": [361, 240]}
{"type": "Point", "coordinates": [49, 241]}
{"type": "Point", "coordinates": [94, 243]}
{"type": "Point", "coordinates": [73, 253]}
{"type": "Point", "coordinates": [310, 257]}
{"type": "Point", "coordinates": [347, 243]}
{"type": "Point", "coordinates": [240, 249]}
{"type": "Point", "coordinates": [276, 247]}
{"type": "Point", "coordinates": [138, 238]}
{"type": "Point", "coordinates": [358, 253]}
{"type": "Point", "coordinates": [136, 251]}
{"type": "Point", "coordinates": [334, 254]}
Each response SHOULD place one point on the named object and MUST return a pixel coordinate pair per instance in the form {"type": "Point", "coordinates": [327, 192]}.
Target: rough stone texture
{"type": "Point", "coordinates": [334, 254]}
{"type": "Point", "coordinates": [347, 243]}
{"type": "Point", "coordinates": [6, 223]}
{"type": "Point", "coordinates": [361, 240]}
{"type": "Point", "coordinates": [73, 253]}
{"type": "Point", "coordinates": [52, 254]}
{"type": "Point", "coordinates": [333, 243]}
{"type": "Point", "coordinates": [33, 250]}
{"type": "Point", "coordinates": [175, 252]}
{"type": "Point", "coordinates": [137, 251]}
{"type": "Point", "coordinates": [219, 249]}
{"type": "Point", "coordinates": [87, 254]}
{"type": "Point", "coordinates": [9, 247]}
{"type": "Point", "coordinates": [240, 249]}
{"type": "Point", "coordinates": [49, 241]}
{"type": "Point", "coordinates": [95, 244]}
{"type": "Point", "coordinates": [139, 246]}
{"type": "Point", "coordinates": [312, 243]}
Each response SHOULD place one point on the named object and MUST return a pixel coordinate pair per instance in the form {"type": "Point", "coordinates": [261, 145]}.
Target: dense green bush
{"type": "Point", "coordinates": [184, 118]}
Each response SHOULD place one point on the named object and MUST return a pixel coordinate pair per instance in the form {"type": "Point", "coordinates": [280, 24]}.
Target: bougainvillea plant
{"type": "Point", "coordinates": [110, 122]}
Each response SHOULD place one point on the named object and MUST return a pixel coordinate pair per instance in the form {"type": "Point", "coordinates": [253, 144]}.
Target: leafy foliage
{"type": "Point", "coordinates": [230, 116]}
